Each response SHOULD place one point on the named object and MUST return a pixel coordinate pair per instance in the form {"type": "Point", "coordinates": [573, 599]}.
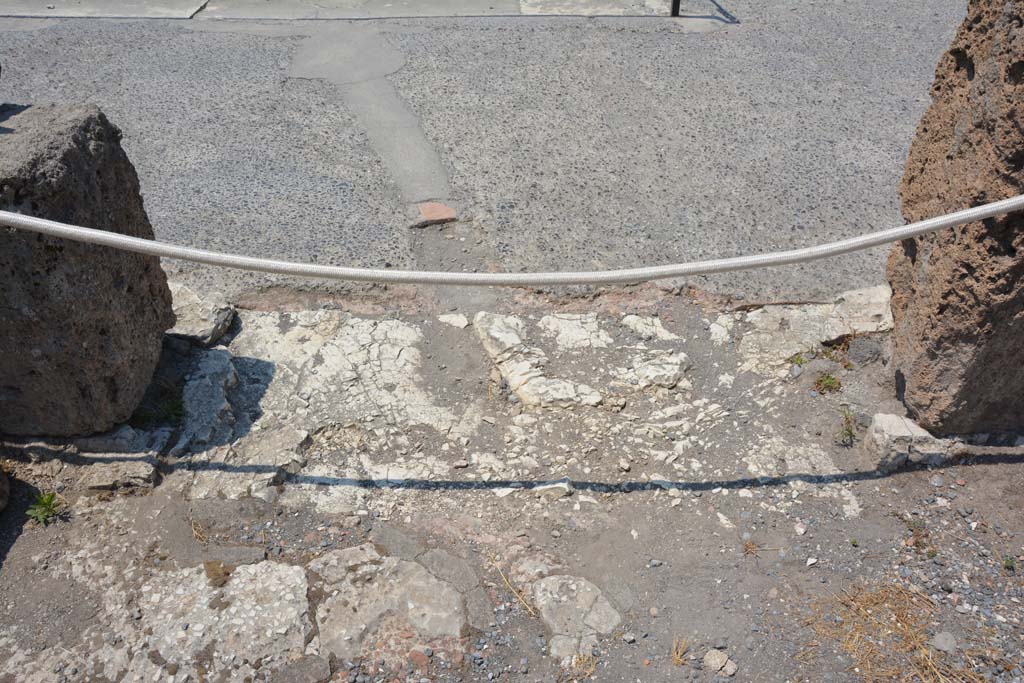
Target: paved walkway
{"type": "Point", "coordinates": [562, 142]}
{"type": "Point", "coordinates": [333, 9]}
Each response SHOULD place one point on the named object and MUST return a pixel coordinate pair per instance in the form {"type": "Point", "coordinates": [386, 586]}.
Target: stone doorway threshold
{"type": "Point", "coordinates": [354, 9]}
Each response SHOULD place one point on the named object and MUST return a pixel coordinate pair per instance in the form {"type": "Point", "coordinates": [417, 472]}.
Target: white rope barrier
{"type": "Point", "coordinates": [601, 277]}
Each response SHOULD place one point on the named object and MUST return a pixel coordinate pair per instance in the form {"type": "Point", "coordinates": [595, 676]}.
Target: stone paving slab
{"type": "Point", "coordinates": [355, 9]}
{"type": "Point", "coordinates": [141, 9]}
{"type": "Point", "coordinates": [376, 9]}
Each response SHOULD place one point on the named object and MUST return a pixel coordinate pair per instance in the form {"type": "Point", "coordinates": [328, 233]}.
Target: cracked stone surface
{"type": "Point", "coordinates": [445, 527]}
{"type": "Point", "coordinates": [329, 366]}
{"type": "Point", "coordinates": [522, 367]}
{"type": "Point", "coordinates": [122, 473]}
{"type": "Point", "coordinates": [209, 418]}
{"type": "Point", "coordinates": [259, 612]}
{"type": "Point", "coordinates": [648, 328]}
{"type": "Point", "coordinates": [780, 331]}
{"type": "Point", "coordinates": [373, 598]}
{"type": "Point", "coordinates": [576, 331]}
{"type": "Point", "coordinates": [576, 612]}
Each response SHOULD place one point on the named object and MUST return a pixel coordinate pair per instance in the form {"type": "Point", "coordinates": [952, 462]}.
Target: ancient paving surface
{"type": "Point", "coordinates": [544, 490]}
{"type": "Point", "coordinates": [651, 141]}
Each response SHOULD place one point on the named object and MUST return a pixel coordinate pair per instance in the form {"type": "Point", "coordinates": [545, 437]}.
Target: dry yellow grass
{"type": "Point", "coordinates": [197, 532]}
{"type": "Point", "coordinates": [884, 631]}
{"type": "Point", "coordinates": [679, 648]}
{"type": "Point", "coordinates": [582, 668]}
{"type": "Point", "coordinates": [517, 594]}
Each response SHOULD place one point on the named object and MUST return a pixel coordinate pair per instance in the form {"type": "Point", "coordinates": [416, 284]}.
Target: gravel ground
{"type": "Point", "coordinates": [645, 143]}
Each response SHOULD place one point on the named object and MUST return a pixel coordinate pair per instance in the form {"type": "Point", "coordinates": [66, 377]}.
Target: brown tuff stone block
{"type": "Point", "coordinates": [958, 294]}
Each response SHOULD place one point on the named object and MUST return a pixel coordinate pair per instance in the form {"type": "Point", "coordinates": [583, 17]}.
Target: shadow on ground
{"type": "Point", "coordinates": [597, 486]}
{"type": "Point", "coordinates": [14, 516]}
{"type": "Point", "coordinates": [7, 111]}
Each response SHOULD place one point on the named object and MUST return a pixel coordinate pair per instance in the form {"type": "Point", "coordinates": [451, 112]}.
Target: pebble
{"type": "Point", "coordinates": [944, 641]}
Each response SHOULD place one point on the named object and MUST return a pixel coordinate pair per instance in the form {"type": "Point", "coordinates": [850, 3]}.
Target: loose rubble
{"type": "Point", "coordinates": [397, 497]}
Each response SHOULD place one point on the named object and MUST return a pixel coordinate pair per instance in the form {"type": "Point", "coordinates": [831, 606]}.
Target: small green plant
{"type": "Point", "coordinates": [1009, 564]}
{"type": "Point", "coordinates": [847, 430]}
{"type": "Point", "coordinates": [45, 508]}
{"type": "Point", "coordinates": [854, 542]}
{"type": "Point", "coordinates": [166, 410]}
{"type": "Point", "coordinates": [827, 384]}
{"type": "Point", "coordinates": [170, 410]}
{"type": "Point", "coordinates": [798, 360]}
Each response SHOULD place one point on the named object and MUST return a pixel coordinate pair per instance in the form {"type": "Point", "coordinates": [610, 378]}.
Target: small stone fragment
{"type": "Point", "coordinates": [730, 668]}
{"type": "Point", "coordinates": [202, 319]}
{"type": "Point", "coordinates": [307, 669]}
{"type": "Point", "coordinates": [576, 331]}
{"type": "Point", "coordinates": [120, 474]}
{"type": "Point", "coordinates": [576, 612]}
{"type": "Point", "coordinates": [648, 328]}
{"type": "Point", "coordinates": [893, 441]}
{"type": "Point", "coordinates": [455, 320]}
{"type": "Point", "coordinates": [944, 641]}
{"type": "Point", "coordinates": [433, 213]}
{"type": "Point", "coordinates": [714, 660]}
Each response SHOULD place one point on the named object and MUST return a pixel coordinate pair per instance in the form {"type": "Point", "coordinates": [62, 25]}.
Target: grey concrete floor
{"type": "Point", "coordinates": [565, 143]}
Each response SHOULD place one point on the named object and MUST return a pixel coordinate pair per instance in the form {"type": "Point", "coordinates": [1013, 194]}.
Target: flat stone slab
{"type": "Point", "coordinates": [355, 9]}
{"type": "Point", "coordinates": [362, 9]}
{"type": "Point", "coordinates": [141, 9]}
{"type": "Point", "coordinates": [612, 8]}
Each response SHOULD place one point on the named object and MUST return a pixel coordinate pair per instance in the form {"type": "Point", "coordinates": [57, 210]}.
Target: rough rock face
{"type": "Point", "coordinates": [82, 325]}
{"type": "Point", "coordinates": [892, 441]}
{"type": "Point", "coordinates": [374, 599]}
{"type": "Point", "coordinates": [5, 490]}
{"type": "Point", "coordinates": [202, 320]}
{"type": "Point", "coordinates": [958, 295]}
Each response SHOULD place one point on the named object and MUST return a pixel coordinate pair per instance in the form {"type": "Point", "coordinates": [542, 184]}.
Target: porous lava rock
{"type": "Point", "coordinates": [82, 324]}
{"type": "Point", "coordinates": [958, 294]}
